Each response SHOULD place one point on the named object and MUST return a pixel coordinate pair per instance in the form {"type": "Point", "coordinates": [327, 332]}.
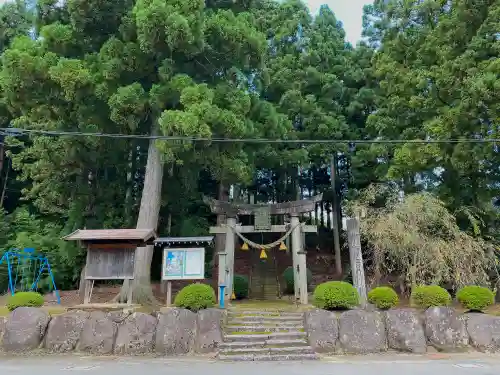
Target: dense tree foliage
{"type": "Point", "coordinates": [257, 69]}
{"type": "Point", "coordinates": [438, 72]}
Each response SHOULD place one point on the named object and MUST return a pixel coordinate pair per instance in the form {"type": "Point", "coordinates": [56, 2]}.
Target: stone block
{"type": "Point", "coordinates": [405, 331]}
{"type": "Point", "coordinates": [119, 316]}
{"type": "Point", "coordinates": [64, 331]}
{"type": "Point", "coordinates": [3, 321]}
{"type": "Point", "coordinates": [484, 332]}
{"type": "Point", "coordinates": [445, 329]}
{"type": "Point", "coordinates": [209, 330]}
{"type": "Point", "coordinates": [362, 332]}
{"type": "Point", "coordinates": [175, 332]}
{"type": "Point", "coordinates": [24, 329]}
{"type": "Point", "coordinates": [322, 329]}
{"type": "Point", "coordinates": [98, 334]}
{"type": "Point", "coordinates": [136, 334]}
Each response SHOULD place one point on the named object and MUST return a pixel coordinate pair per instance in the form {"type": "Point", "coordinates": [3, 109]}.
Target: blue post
{"type": "Point", "coordinates": [53, 281]}
{"type": "Point", "coordinates": [9, 270]}
{"type": "Point", "coordinates": [34, 286]}
{"type": "Point", "coordinates": [221, 294]}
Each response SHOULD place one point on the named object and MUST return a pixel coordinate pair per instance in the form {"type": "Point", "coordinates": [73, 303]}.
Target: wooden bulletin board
{"type": "Point", "coordinates": [110, 264]}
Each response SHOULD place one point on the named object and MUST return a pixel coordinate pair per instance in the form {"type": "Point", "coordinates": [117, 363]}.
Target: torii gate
{"type": "Point", "coordinates": [262, 214]}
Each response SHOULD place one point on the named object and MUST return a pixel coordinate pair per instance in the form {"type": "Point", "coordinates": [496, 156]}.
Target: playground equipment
{"type": "Point", "coordinates": [25, 269]}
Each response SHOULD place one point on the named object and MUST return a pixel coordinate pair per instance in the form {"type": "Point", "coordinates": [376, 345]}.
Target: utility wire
{"type": "Point", "coordinates": [20, 132]}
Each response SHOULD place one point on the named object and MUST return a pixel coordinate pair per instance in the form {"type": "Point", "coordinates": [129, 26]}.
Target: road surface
{"type": "Point", "coordinates": [381, 365]}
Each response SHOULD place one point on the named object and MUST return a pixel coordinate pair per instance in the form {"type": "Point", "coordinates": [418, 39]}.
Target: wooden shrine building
{"type": "Point", "coordinates": [110, 254]}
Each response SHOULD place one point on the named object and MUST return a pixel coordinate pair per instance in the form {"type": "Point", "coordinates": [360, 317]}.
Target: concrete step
{"type": "Point", "coordinates": [268, 350]}
{"type": "Point", "coordinates": [264, 336]}
{"type": "Point", "coordinates": [264, 322]}
{"type": "Point", "coordinates": [268, 357]}
{"type": "Point", "coordinates": [260, 344]}
{"type": "Point", "coordinates": [260, 313]}
{"type": "Point", "coordinates": [262, 328]}
{"type": "Point", "coordinates": [269, 318]}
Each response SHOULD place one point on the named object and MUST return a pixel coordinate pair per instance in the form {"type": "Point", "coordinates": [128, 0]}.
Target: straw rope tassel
{"type": "Point", "coordinates": [263, 254]}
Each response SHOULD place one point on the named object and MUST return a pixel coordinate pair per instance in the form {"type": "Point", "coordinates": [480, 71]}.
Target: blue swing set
{"type": "Point", "coordinates": [25, 268]}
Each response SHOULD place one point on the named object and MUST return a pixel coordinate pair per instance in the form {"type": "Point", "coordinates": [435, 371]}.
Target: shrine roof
{"type": "Point", "coordinates": [143, 235]}
{"type": "Point", "coordinates": [183, 240]}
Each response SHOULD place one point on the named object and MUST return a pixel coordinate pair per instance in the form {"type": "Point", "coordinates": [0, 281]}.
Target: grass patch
{"type": "Point", "coordinates": [51, 310]}
{"type": "Point", "coordinates": [256, 314]}
{"type": "Point", "coordinates": [266, 325]}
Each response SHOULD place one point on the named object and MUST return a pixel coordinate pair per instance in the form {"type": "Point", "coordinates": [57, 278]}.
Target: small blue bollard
{"type": "Point", "coordinates": [221, 294]}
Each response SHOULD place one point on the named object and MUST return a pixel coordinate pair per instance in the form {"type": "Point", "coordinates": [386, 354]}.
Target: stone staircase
{"type": "Point", "coordinates": [265, 336]}
{"type": "Point", "coordinates": [264, 284]}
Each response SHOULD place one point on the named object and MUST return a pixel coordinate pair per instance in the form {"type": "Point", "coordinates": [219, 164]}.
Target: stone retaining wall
{"type": "Point", "coordinates": [173, 332]}
{"type": "Point", "coordinates": [405, 330]}
{"type": "Point", "coordinates": [179, 331]}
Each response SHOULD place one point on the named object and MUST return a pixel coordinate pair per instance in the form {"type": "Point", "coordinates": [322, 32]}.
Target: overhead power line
{"type": "Point", "coordinates": [20, 132]}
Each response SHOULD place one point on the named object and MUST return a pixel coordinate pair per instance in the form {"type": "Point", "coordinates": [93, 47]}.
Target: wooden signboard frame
{"type": "Point", "coordinates": [183, 273]}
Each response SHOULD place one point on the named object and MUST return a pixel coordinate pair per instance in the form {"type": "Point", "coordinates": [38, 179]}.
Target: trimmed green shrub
{"type": "Point", "coordinates": [383, 297]}
{"type": "Point", "coordinates": [475, 298]}
{"type": "Point", "coordinates": [425, 296]}
{"type": "Point", "coordinates": [25, 299]}
{"type": "Point", "coordinates": [195, 297]}
{"type": "Point", "coordinates": [288, 277]}
{"type": "Point", "coordinates": [240, 285]}
{"type": "Point", "coordinates": [335, 295]}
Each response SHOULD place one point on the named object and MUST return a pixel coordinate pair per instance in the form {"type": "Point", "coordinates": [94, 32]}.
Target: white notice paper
{"type": "Point", "coordinates": [194, 263]}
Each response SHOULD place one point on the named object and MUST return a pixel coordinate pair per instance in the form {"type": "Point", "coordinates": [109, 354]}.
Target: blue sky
{"type": "Point", "coordinates": [350, 12]}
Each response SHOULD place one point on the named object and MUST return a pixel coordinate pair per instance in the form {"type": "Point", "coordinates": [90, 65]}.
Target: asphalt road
{"type": "Point", "coordinates": [73, 365]}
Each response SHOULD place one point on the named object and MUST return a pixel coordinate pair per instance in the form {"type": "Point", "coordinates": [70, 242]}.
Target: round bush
{"type": "Point", "coordinates": [288, 277]}
{"type": "Point", "coordinates": [25, 299]}
{"type": "Point", "coordinates": [426, 296]}
{"type": "Point", "coordinates": [383, 297]}
{"type": "Point", "coordinates": [335, 295]}
{"type": "Point", "coordinates": [240, 284]}
{"type": "Point", "coordinates": [476, 298]}
{"type": "Point", "coordinates": [195, 297]}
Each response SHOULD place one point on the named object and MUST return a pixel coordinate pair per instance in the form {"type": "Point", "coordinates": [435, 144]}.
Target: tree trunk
{"type": "Point", "coordinates": [148, 219]}
{"type": "Point", "coordinates": [81, 285]}
{"type": "Point", "coordinates": [3, 188]}
{"type": "Point", "coordinates": [130, 183]}
{"type": "Point", "coordinates": [335, 217]}
{"type": "Point", "coordinates": [1, 155]}
{"type": "Point", "coordinates": [220, 239]}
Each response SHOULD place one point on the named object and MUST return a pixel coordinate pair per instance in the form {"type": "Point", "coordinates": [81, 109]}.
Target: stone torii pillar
{"type": "Point", "coordinates": [229, 250]}
{"type": "Point", "coordinates": [299, 262]}
{"type": "Point", "coordinates": [226, 261]}
{"type": "Point", "coordinates": [356, 258]}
